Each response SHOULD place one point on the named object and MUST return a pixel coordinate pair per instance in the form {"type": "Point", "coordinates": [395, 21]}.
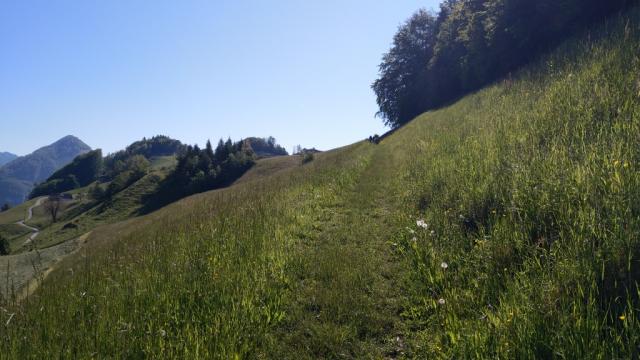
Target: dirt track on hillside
{"type": "Point", "coordinates": [22, 223]}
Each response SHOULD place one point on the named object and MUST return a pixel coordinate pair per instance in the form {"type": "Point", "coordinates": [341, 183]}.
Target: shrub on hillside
{"type": "Point", "coordinates": [4, 246]}
{"type": "Point", "coordinates": [5, 249]}
{"type": "Point", "coordinates": [307, 157]}
{"type": "Point", "coordinates": [97, 192]}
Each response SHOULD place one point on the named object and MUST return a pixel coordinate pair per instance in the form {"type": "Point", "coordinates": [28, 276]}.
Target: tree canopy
{"type": "Point", "coordinates": [159, 145]}
{"type": "Point", "coordinates": [200, 170]}
{"type": "Point", "coordinates": [436, 58]}
{"type": "Point", "coordinates": [265, 147]}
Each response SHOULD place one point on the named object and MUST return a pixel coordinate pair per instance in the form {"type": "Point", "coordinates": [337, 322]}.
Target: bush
{"type": "Point", "coordinates": [97, 192]}
{"type": "Point", "coordinates": [307, 157]}
{"type": "Point", "coordinates": [5, 249]}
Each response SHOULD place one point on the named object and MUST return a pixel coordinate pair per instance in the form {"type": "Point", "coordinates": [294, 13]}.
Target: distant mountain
{"type": "Point", "coordinates": [18, 177]}
{"type": "Point", "coordinates": [6, 157]}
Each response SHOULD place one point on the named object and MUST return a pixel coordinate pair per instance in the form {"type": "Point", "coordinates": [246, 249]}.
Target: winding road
{"type": "Point", "coordinates": [35, 231]}
{"type": "Point", "coordinates": [21, 273]}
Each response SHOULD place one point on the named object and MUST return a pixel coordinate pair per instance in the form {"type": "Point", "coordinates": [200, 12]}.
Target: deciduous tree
{"type": "Point", "coordinates": [52, 206]}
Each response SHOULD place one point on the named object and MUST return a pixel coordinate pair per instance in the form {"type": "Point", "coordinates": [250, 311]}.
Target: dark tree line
{"type": "Point", "coordinates": [200, 170]}
{"type": "Point", "coordinates": [436, 58]}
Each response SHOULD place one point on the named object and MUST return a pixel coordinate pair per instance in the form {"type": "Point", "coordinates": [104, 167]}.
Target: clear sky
{"type": "Point", "coordinates": [114, 71]}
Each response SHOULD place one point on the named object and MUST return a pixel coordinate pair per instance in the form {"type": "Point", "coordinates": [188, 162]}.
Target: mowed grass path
{"type": "Point", "coordinates": [347, 298]}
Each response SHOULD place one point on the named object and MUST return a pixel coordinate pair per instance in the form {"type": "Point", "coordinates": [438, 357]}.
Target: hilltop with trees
{"type": "Point", "coordinates": [265, 147]}
{"type": "Point", "coordinates": [146, 175]}
{"type": "Point", "coordinates": [200, 170]}
{"type": "Point", "coordinates": [94, 190]}
{"type": "Point", "coordinates": [156, 146]}
{"type": "Point", "coordinates": [197, 170]}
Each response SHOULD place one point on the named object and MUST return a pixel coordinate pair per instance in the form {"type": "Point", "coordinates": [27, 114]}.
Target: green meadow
{"type": "Point", "coordinates": [503, 226]}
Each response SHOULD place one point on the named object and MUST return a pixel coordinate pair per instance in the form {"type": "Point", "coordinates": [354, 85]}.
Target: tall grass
{"type": "Point", "coordinates": [529, 248]}
{"type": "Point", "coordinates": [204, 278]}
{"type": "Point", "coordinates": [531, 192]}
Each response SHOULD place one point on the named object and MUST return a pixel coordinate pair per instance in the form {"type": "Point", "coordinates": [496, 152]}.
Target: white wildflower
{"type": "Point", "coordinates": [422, 224]}
{"type": "Point", "coordinates": [441, 301]}
{"type": "Point", "coordinates": [444, 265]}
{"type": "Point", "coordinates": [432, 233]}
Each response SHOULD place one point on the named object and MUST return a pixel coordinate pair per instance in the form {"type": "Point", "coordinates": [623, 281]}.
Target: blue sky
{"type": "Point", "coordinates": [114, 71]}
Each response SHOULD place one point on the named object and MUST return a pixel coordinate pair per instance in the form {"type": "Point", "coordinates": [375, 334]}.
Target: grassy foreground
{"type": "Point", "coordinates": [505, 226]}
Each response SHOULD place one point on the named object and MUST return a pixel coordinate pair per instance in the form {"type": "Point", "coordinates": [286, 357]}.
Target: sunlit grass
{"type": "Point", "coordinates": [531, 190]}
{"type": "Point", "coordinates": [505, 226]}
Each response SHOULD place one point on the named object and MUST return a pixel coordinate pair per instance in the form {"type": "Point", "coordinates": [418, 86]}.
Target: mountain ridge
{"type": "Point", "coordinates": [6, 157]}
{"type": "Point", "coordinates": [18, 176]}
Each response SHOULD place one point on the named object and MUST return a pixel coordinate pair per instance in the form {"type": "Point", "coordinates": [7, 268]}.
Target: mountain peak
{"type": "Point", "coordinates": [18, 176]}
{"type": "Point", "coordinates": [64, 147]}
{"type": "Point", "coordinates": [69, 138]}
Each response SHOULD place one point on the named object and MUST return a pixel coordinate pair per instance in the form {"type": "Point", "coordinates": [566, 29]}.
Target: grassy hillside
{"type": "Point", "coordinates": [269, 166]}
{"type": "Point", "coordinates": [85, 214]}
{"type": "Point", "coordinates": [15, 234]}
{"type": "Point", "coordinates": [504, 226]}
